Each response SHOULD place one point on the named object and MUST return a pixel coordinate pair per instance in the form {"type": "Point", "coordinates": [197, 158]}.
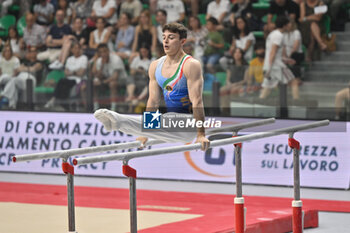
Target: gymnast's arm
{"type": "Point", "coordinates": [154, 95]}
{"type": "Point", "coordinates": [193, 73]}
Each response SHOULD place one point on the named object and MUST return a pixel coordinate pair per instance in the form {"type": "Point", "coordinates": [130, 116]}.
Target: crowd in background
{"type": "Point", "coordinates": [114, 41]}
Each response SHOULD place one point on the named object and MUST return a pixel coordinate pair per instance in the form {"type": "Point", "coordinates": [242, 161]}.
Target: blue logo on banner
{"type": "Point", "coordinates": [151, 120]}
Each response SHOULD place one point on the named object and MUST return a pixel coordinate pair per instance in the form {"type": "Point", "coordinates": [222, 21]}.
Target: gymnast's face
{"type": "Point", "coordinates": [172, 42]}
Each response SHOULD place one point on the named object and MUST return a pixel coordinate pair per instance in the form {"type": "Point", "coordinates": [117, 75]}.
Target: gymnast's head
{"type": "Point", "coordinates": [174, 37]}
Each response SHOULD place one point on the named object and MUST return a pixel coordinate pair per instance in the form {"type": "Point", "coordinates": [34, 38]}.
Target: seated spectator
{"type": "Point", "coordinates": [214, 45]}
{"type": "Point", "coordinates": [218, 9]}
{"type": "Point", "coordinates": [100, 35]}
{"type": "Point", "coordinates": [277, 8]}
{"type": "Point", "coordinates": [334, 7]}
{"type": "Point", "coordinates": [33, 34]}
{"type": "Point", "coordinates": [235, 74]}
{"type": "Point", "coordinates": [105, 9]}
{"type": "Point", "coordinates": [243, 39]}
{"type": "Point", "coordinates": [16, 42]}
{"type": "Point", "coordinates": [255, 73]}
{"type": "Point", "coordinates": [244, 9]}
{"type": "Point", "coordinates": [5, 4]}
{"type": "Point", "coordinates": [275, 70]}
{"type": "Point", "coordinates": [44, 12]}
{"type": "Point", "coordinates": [340, 97]}
{"type": "Point", "coordinates": [161, 18]}
{"type": "Point", "coordinates": [107, 70]}
{"type": "Point", "coordinates": [8, 66]}
{"type": "Point", "coordinates": [59, 34]}
{"type": "Point", "coordinates": [75, 76]}
{"type": "Point", "coordinates": [30, 68]}
{"type": "Point", "coordinates": [125, 36]}
{"type": "Point", "coordinates": [175, 10]}
{"type": "Point", "coordinates": [294, 55]}
{"type": "Point", "coordinates": [197, 35]}
{"type": "Point", "coordinates": [80, 34]}
{"type": "Point", "coordinates": [311, 27]}
{"type": "Point", "coordinates": [63, 5]}
{"type": "Point", "coordinates": [133, 8]}
{"type": "Point", "coordinates": [192, 7]}
{"type": "Point", "coordinates": [81, 9]}
{"type": "Point", "coordinates": [138, 79]}
{"type": "Point", "coordinates": [145, 32]}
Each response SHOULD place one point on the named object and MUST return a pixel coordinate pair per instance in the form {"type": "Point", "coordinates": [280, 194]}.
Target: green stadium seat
{"type": "Point", "coordinates": [261, 5]}
{"type": "Point", "coordinates": [258, 34]}
{"type": "Point", "coordinates": [202, 19]}
{"type": "Point", "coordinates": [264, 18]}
{"type": "Point", "coordinates": [145, 6]}
{"type": "Point", "coordinates": [6, 22]}
{"type": "Point", "coordinates": [21, 24]}
{"type": "Point", "coordinates": [221, 78]}
{"type": "Point", "coordinates": [326, 21]}
{"type": "Point", "coordinates": [55, 75]}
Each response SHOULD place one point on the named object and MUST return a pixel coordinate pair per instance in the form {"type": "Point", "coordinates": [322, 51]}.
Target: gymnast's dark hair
{"type": "Point", "coordinates": [176, 28]}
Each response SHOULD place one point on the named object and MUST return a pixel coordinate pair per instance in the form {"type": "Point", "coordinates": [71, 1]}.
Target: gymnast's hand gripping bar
{"type": "Point", "coordinates": [65, 154]}
{"type": "Point", "coordinates": [130, 155]}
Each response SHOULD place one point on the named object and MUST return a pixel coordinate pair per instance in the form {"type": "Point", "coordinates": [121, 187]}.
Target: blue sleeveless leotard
{"type": "Point", "coordinates": [175, 89]}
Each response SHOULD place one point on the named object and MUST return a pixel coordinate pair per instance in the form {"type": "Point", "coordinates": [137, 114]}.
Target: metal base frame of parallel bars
{"type": "Point", "coordinates": [131, 173]}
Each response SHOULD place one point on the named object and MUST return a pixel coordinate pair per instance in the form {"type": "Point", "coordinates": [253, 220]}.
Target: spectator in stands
{"type": "Point", "coordinates": [334, 8]}
{"type": "Point", "coordinates": [30, 68]}
{"type": "Point", "coordinates": [241, 8]}
{"type": "Point", "coordinates": [219, 9]}
{"type": "Point", "coordinates": [214, 45]}
{"type": "Point", "coordinates": [81, 9]}
{"type": "Point", "coordinates": [161, 18]}
{"type": "Point", "coordinates": [133, 8]}
{"type": "Point", "coordinates": [107, 70]}
{"type": "Point", "coordinates": [59, 34]}
{"type": "Point", "coordinates": [75, 76]}
{"type": "Point", "coordinates": [100, 35]}
{"type": "Point", "coordinates": [80, 34]}
{"type": "Point", "coordinates": [33, 34]}
{"type": "Point", "coordinates": [294, 55]}
{"type": "Point", "coordinates": [192, 7]}
{"type": "Point", "coordinates": [311, 27]}
{"type": "Point", "coordinates": [63, 5]}
{"type": "Point", "coordinates": [5, 4]}
{"type": "Point", "coordinates": [138, 78]}
{"type": "Point", "coordinates": [275, 70]}
{"type": "Point", "coordinates": [197, 35]}
{"type": "Point", "coordinates": [44, 12]}
{"type": "Point", "coordinates": [145, 32]}
{"type": "Point", "coordinates": [340, 97]}
{"type": "Point", "coordinates": [8, 66]}
{"type": "Point", "coordinates": [235, 74]}
{"type": "Point", "coordinates": [105, 9]}
{"type": "Point", "coordinates": [16, 42]}
{"type": "Point", "coordinates": [243, 39]}
{"type": "Point", "coordinates": [277, 8]}
{"type": "Point", "coordinates": [175, 10]}
{"type": "Point", "coordinates": [125, 36]}
{"type": "Point", "coordinates": [255, 73]}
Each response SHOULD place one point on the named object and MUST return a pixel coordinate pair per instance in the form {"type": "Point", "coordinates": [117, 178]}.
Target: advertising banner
{"type": "Point", "coordinates": [324, 153]}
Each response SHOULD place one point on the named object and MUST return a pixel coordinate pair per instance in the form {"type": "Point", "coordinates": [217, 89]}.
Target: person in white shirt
{"type": "Point", "coordinates": [133, 8]}
{"type": "Point", "coordinates": [4, 6]}
{"type": "Point", "coordinates": [8, 65]}
{"type": "Point", "coordinates": [175, 10]}
{"type": "Point", "coordinates": [275, 70]}
{"type": "Point", "coordinates": [44, 12]}
{"type": "Point", "coordinates": [138, 79]}
{"type": "Point", "coordinates": [107, 70]}
{"type": "Point", "coordinates": [75, 76]}
{"type": "Point", "coordinates": [219, 9]}
{"type": "Point", "coordinates": [106, 9]}
{"type": "Point", "coordinates": [293, 55]}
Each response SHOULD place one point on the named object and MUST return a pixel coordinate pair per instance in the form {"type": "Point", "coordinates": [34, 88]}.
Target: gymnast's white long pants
{"type": "Point", "coordinates": [133, 125]}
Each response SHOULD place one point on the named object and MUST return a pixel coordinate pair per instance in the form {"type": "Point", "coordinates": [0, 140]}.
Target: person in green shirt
{"type": "Point", "coordinates": [214, 47]}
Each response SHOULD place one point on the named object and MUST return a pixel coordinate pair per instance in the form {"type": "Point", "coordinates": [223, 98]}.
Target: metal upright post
{"type": "Point", "coordinates": [297, 204]}
{"type": "Point", "coordinates": [239, 200]}
{"type": "Point", "coordinates": [69, 171]}
{"type": "Point", "coordinates": [131, 173]}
